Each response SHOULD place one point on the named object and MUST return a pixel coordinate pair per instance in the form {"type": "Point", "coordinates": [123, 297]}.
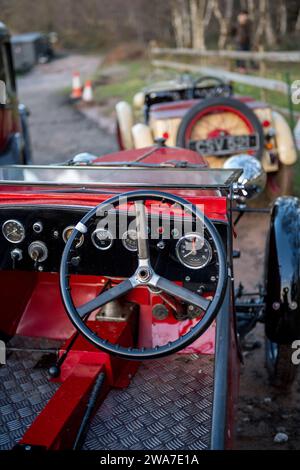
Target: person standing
{"type": "Point", "coordinates": [242, 33]}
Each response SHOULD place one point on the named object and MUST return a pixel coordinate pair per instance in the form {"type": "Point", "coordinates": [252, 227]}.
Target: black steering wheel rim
{"type": "Point", "coordinates": [184, 340]}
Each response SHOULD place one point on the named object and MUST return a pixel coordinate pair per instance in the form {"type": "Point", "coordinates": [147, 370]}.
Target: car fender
{"type": "Point", "coordinates": [13, 153]}
{"type": "Point", "coordinates": [125, 122]}
{"type": "Point", "coordinates": [139, 100]}
{"type": "Point", "coordinates": [287, 152]}
{"type": "Point", "coordinates": [142, 136]}
{"type": "Point", "coordinates": [282, 272]}
{"type": "Point", "coordinates": [27, 150]}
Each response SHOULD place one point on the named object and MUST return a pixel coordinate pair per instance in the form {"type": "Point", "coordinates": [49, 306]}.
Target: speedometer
{"type": "Point", "coordinates": [193, 251]}
{"type": "Point", "coordinates": [13, 231]}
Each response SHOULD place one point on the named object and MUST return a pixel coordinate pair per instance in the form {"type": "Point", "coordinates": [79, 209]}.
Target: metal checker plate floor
{"type": "Point", "coordinates": [24, 391]}
{"type": "Point", "coordinates": [167, 406]}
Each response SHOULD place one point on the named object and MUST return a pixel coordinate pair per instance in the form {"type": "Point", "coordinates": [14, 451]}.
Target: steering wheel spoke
{"type": "Point", "coordinates": [107, 296]}
{"type": "Point", "coordinates": [142, 231]}
{"type": "Point", "coordinates": [182, 293]}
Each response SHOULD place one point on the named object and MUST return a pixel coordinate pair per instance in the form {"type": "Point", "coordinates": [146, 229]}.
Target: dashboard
{"type": "Point", "coordinates": [33, 239]}
{"type": "Point", "coordinates": [166, 96]}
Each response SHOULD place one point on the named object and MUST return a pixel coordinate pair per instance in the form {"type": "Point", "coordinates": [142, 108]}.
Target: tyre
{"type": "Point", "coordinates": [238, 119]}
{"type": "Point", "coordinates": [282, 372]}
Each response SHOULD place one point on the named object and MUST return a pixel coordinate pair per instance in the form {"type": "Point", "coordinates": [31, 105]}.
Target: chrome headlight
{"type": "Point", "coordinates": [253, 177]}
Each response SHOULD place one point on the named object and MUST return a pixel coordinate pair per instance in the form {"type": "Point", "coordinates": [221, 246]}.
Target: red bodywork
{"type": "Point", "coordinates": [37, 311]}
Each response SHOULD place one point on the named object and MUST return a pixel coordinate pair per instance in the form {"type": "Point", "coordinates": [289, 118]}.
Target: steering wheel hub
{"type": "Point", "coordinates": [144, 274]}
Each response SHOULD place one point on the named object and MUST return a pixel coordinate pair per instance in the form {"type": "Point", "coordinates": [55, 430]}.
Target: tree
{"type": "Point", "coordinates": [201, 11]}
{"type": "Point", "coordinates": [223, 18]}
{"type": "Point", "coordinates": [181, 22]}
{"type": "Point", "coordinates": [265, 29]}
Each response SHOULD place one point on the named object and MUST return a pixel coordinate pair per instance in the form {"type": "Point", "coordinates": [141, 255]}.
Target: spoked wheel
{"type": "Point", "coordinates": [282, 372]}
{"type": "Point", "coordinates": [145, 276]}
{"type": "Point", "coordinates": [220, 127]}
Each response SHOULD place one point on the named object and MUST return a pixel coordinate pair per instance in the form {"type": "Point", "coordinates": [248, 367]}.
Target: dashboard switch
{"type": "Point", "coordinates": [16, 255]}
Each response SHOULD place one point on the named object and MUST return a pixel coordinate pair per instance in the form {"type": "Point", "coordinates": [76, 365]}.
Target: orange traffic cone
{"type": "Point", "coordinates": [76, 87]}
{"type": "Point", "coordinates": [87, 95]}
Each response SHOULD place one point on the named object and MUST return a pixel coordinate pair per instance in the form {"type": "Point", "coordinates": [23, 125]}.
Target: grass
{"type": "Point", "coordinates": [123, 85]}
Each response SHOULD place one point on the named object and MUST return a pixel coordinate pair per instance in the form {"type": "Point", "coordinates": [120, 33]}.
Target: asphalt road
{"type": "Point", "coordinates": [58, 131]}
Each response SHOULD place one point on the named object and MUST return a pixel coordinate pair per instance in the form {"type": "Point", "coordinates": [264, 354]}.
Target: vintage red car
{"type": "Point", "coordinates": [205, 115]}
{"type": "Point", "coordinates": [119, 318]}
{"type": "Point", "coordinates": [14, 130]}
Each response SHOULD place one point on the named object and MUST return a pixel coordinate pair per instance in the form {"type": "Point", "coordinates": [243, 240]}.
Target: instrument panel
{"type": "Point", "coordinates": [33, 239]}
{"type": "Point", "coordinates": [186, 93]}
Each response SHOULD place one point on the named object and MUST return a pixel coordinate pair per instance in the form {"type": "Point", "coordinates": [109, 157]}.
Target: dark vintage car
{"type": "Point", "coordinates": [207, 116]}
{"type": "Point", "coordinates": [120, 318]}
{"type": "Point", "coordinates": [14, 133]}
{"type": "Point", "coordinates": [30, 49]}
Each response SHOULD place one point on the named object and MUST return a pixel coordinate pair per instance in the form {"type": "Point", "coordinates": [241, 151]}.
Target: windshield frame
{"type": "Point", "coordinates": [233, 176]}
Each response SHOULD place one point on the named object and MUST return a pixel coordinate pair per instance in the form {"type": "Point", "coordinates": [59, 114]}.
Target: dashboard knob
{"type": "Point", "coordinates": [37, 227]}
{"type": "Point", "coordinates": [38, 251]}
{"type": "Point", "coordinates": [16, 254]}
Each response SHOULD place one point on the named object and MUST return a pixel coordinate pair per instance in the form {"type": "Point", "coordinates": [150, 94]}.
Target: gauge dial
{"type": "Point", "coordinates": [13, 231]}
{"type": "Point", "coordinates": [193, 251]}
{"type": "Point", "coordinates": [102, 239]}
{"type": "Point", "coordinates": [129, 240]}
{"type": "Point", "coordinates": [67, 233]}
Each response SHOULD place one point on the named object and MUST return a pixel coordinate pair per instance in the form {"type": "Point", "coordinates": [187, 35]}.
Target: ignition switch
{"type": "Point", "coordinates": [38, 251]}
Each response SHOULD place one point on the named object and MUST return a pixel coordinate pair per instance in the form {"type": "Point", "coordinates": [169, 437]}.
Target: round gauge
{"type": "Point", "coordinates": [102, 238]}
{"type": "Point", "coordinates": [13, 231]}
{"type": "Point", "coordinates": [193, 251]}
{"type": "Point", "coordinates": [129, 240]}
{"type": "Point", "coordinates": [67, 233]}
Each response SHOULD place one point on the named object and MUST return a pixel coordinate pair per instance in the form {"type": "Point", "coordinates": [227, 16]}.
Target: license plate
{"type": "Point", "coordinates": [225, 145]}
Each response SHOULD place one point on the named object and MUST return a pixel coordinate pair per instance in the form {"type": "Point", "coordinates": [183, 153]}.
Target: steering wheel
{"type": "Point", "coordinates": [216, 81]}
{"type": "Point", "coordinates": [217, 84]}
{"type": "Point", "coordinates": [144, 276]}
